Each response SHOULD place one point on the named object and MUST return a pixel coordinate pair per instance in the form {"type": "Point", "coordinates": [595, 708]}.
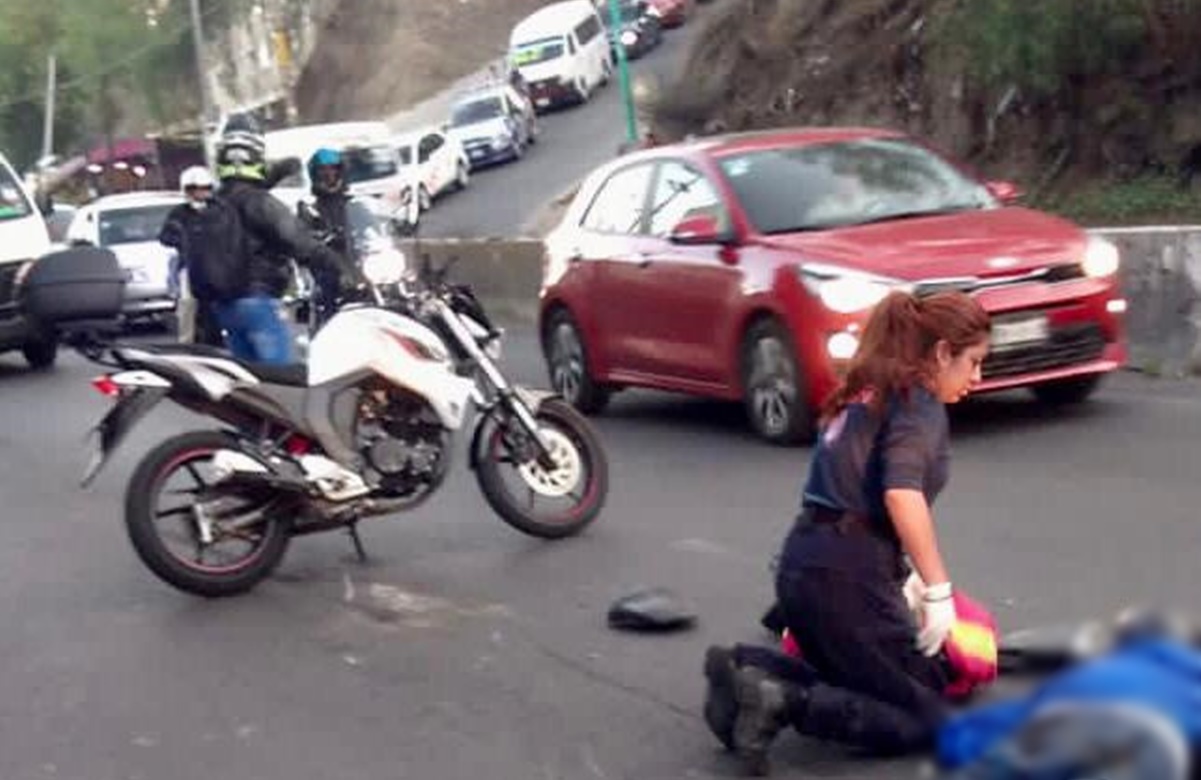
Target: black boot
{"type": "Point", "coordinates": [763, 709]}
{"type": "Point", "coordinates": [721, 708]}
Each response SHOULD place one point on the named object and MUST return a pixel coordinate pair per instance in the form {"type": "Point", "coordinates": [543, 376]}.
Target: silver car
{"type": "Point", "coordinates": [129, 226]}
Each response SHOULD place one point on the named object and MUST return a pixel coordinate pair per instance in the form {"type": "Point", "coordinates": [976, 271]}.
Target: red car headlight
{"type": "Point", "coordinates": [844, 291]}
{"type": "Point", "coordinates": [1101, 258]}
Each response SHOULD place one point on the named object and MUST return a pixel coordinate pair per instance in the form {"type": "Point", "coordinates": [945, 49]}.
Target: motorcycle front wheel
{"type": "Point", "coordinates": [192, 538]}
{"type": "Point", "coordinates": [549, 503]}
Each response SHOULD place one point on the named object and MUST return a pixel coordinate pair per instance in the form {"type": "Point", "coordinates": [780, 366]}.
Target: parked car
{"type": "Point", "coordinates": [640, 30]}
{"type": "Point", "coordinates": [560, 51]}
{"type": "Point", "coordinates": [129, 225]}
{"type": "Point", "coordinates": [673, 13]}
{"type": "Point", "coordinates": [492, 125]}
{"type": "Point", "coordinates": [744, 267]}
{"type": "Point", "coordinates": [23, 239]}
{"type": "Point", "coordinates": [436, 159]}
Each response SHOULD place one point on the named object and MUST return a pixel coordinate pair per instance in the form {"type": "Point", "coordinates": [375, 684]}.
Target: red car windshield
{"type": "Point", "coordinates": [858, 182]}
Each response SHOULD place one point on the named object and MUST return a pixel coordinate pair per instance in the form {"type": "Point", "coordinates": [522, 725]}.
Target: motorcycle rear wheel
{"type": "Point", "coordinates": [578, 485]}
{"type": "Point", "coordinates": [184, 457]}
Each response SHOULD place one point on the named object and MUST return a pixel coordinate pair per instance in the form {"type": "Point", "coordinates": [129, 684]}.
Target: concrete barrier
{"type": "Point", "coordinates": [1161, 278]}
{"type": "Point", "coordinates": [505, 273]}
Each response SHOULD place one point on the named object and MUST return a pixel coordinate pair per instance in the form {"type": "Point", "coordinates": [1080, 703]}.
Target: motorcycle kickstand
{"type": "Point", "coordinates": [353, 531]}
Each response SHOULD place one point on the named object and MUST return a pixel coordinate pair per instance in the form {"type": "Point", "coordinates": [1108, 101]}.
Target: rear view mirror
{"type": "Point", "coordinates": [1005, 191]}
{"type": "Point", "coordinates": [699, 230]}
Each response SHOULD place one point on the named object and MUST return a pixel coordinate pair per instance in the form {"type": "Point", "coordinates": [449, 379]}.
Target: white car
{"type": "Point", "coordinates": [438, 160]}
{"type": "Point", "coordinates": [128, 225]}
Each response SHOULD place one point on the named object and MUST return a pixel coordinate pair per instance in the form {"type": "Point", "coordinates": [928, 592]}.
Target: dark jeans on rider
{"type": "Point", "coordinates": [208, 329]}
{"type": "Point", "coordinates": [255, 329]}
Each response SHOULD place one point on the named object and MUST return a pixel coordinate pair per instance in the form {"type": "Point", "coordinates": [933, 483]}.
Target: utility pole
{"type": "Point", "coordinates": [623, 70]}
{"type": "Point", "coordinates": [48, 122]}
{"type": "Point", "coordinates": [206, 108]}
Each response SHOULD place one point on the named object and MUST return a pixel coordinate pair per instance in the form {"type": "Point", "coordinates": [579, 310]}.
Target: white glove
{"type": "Point", "coordinates": [938, 618]}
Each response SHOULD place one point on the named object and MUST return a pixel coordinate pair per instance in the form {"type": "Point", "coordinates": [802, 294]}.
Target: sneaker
{"type": "Point", "coordinates": [721, 708]}
{"type": "Point", "coordinates": [761, 715]}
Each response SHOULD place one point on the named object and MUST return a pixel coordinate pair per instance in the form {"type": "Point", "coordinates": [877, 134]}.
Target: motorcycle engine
{"type": "Point", "coordinates": [402, 443]}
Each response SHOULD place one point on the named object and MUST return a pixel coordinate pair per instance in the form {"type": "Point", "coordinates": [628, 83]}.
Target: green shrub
{"type": "Point", "coordinates": [1039, 46]}
{"type": "Point", "coordinates": [1145, 200]}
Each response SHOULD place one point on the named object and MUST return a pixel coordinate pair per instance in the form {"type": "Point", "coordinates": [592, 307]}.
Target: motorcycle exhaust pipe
{"type": "Point", "coordinates": [237, 471]}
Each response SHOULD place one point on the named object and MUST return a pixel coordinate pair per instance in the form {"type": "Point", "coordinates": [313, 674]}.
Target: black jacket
{"type": "Point", "coordinates": [332, 210]}
{"type": "Point", "coordinates": [275, 235]}
{"type": "Point", "coordinates": [180, 230]}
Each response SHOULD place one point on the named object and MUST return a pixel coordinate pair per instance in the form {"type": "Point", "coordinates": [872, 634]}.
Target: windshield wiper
{"type": "Point", "coordinates": [801, 229]}
{"type": "Point", "coordinates": [900, 215]}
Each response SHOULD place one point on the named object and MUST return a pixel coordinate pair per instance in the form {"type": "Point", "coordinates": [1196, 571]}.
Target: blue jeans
{"type": "Point", "coordinates": [255, 329]}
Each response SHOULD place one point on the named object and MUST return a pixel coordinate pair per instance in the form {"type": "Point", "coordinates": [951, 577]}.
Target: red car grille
{"type": "Point", "coordinates": [1060, 272]}
{"type": "Point", "coordinates": [1067, 346]}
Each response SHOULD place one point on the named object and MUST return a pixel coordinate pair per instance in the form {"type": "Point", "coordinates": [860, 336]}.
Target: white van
{"type": "Point", "coordinates": [562, 52]}
{"type": "Point", "coordinates": [373, 166]}
{"type": "Point", "coordinates": [23, 239]}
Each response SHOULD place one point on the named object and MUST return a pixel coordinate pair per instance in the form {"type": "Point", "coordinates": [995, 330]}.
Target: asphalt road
{"type": "Point", "coordinates": [502, 199]}
{"type": "Point", "coordinates": [464, 649]}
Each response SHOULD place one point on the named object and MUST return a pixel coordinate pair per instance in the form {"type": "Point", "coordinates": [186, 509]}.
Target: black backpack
{"type": "Point", "coordinates": [219, 266]}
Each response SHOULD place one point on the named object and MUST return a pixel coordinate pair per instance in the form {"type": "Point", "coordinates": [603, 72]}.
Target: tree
{"type": "Point", "coordinates": [116, 58]}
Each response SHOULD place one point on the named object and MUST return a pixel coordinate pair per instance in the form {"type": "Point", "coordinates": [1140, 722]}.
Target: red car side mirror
{"type": "Point", "coordinates": [1005, 191]}
{"type": "Point", "coordinates": [698, 230]}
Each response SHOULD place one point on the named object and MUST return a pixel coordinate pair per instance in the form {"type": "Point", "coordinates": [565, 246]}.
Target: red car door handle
{"type": "Point", "coordinates": [644, 260]}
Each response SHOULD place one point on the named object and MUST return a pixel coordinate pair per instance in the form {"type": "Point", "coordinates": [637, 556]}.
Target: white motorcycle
{"type": "Point", "coordinates": [363, 429]}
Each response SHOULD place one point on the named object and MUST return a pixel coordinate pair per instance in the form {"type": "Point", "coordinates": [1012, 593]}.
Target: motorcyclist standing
{"type": "Point", "coordinates": [182, 231]}
{"type": "Point", "coordinates": [246, 264]}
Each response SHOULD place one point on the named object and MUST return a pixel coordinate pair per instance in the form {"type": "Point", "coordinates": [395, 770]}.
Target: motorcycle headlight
{"type": "Point", "coordinates": [384, 267]}
{"type": "Point", "coordinates": [1101, 258]}
{"type": "Point", "coordinates": [629, 38]}
{"type": "Point", "coordinates": [845, 291]}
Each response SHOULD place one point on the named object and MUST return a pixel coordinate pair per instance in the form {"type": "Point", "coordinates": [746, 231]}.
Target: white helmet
{"type": "Point", "coordinates": [196, 176]}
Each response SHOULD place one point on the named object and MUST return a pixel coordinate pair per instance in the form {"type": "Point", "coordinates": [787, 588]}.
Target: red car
{"type": "Point", "coordinates": [672, 13]}
{"type": "Point", "coordinates": [744, 266]}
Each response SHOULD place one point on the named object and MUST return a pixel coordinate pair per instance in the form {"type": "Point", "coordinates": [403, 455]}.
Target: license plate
{"type": "Point", "coordinates": [542, 102]}
{"type": "Point", "coordinates": [129, 409]}
{"type": "Point", "coordinates": [1015, 333]}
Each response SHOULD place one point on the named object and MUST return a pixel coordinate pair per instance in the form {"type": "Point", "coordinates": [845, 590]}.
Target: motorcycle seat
{"type": "Point", "coordinates": [290, 375]}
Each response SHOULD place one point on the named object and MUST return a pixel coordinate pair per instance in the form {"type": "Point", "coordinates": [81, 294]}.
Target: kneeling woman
{"type": "Point", "coordinates": [872, 678]}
